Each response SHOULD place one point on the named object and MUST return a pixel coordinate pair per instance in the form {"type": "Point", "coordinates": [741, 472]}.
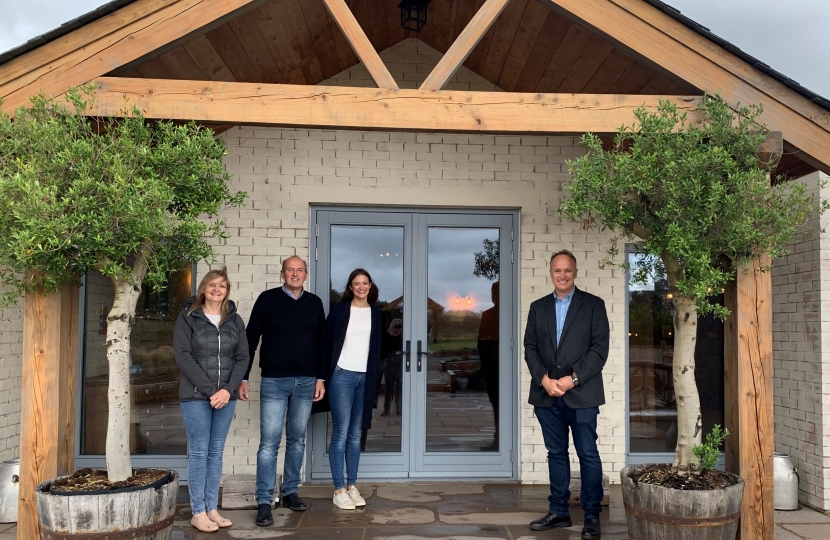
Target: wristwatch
{"type": "Point", "coordinates": [575, 379]}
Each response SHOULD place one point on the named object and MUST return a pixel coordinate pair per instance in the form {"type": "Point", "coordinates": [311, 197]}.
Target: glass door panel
{"type": "Point", "coordinates": [379, 250]}
{"type": "Point", "coordinates": [446, 287]}
{"type": "Point", "coordinates": [462, 319]}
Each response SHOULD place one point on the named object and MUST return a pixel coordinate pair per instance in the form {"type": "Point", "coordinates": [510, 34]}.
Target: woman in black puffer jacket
{"type": "Point", "coordinates": [212, 353]}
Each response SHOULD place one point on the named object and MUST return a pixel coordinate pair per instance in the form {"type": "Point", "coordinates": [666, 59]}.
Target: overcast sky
{"type": "Point", "coordinates": [788, 35]}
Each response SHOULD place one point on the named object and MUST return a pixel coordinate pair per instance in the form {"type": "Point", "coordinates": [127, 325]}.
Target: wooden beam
{"type": "Point", "coordinates": [644, 31]}
{"type": "Point", "coordinates": [748, 397]}
{"type": "Point", "coordinates": [371, 108]}
{"type": "Point", "coordinates": [360, 43]}
{"type": "Point", "coordinates": [108, 43]}
{"type": "Point", "coordinates": [464, 44]}
{"type": "Point", "coordinates": [48, 395]}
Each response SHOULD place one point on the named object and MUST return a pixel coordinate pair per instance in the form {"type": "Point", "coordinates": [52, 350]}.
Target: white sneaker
{"type": "Point", "coordinates": [354, 494]}
{"type": "Point", "coordinates": [342, 500]}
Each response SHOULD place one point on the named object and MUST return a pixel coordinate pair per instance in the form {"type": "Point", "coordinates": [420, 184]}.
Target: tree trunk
{"type": "Point", "coordinates": [119, 325]}
{"type": "Point", "coordinates": [689, 424]}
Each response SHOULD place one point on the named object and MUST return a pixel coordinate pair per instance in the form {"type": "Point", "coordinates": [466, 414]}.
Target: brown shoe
{"type": "Point", "coordinates": [219, 520]}
{"type": "Point", "coordinates": [203, 523]}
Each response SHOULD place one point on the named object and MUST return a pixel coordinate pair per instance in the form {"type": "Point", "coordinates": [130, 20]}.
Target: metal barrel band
{"type": "Point", "coordinates": [681, 521]}
{"type": "Point", "coordinates": [138, 532]}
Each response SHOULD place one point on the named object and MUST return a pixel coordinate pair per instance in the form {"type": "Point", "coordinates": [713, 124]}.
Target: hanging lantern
{"type": "Point", "coordinates": [413, 14]}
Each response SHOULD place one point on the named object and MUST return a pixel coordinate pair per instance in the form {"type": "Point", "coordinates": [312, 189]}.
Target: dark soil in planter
{"type": "Point", "coordinates": [93, 481]}
{"type": "Point", "coordinates": [660, 474]}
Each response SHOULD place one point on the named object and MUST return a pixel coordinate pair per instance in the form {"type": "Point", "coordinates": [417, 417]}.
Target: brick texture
{"type": "Point", "coordinates": [801, 355]}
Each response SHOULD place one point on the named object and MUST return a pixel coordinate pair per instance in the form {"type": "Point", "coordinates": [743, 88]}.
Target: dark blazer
{"type": "Point", "coordinates": [583, 349]}
{"type": "Point", "coordinates": [338, 321]}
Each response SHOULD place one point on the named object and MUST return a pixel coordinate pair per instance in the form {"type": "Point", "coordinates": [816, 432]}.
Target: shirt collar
{"type": "Point", "coordinates": [567, 298]}
{"type": "Point", "coordinates": [291, 294]}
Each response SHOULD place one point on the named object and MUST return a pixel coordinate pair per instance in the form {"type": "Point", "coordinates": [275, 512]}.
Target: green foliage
{"type": "Point", "coordinates": [487, 261]}
{"type": "Point", "coordinates": [709, 451]}
{"type": "Point", "coordinates": [78, 193]}
{"type": "Point", "coordinates": [693, 193]}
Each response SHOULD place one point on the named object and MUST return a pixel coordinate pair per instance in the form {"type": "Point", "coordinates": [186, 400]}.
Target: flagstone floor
{"type": "Point", "coordinates": [459, 511]}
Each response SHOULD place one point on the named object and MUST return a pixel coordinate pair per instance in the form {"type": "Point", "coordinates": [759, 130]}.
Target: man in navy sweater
{"type": "Point", "coordinates": [293, 360]}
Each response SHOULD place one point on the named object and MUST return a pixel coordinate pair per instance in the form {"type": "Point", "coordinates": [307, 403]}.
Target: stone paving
{"type": "Point", "coordinates": [458, 511]}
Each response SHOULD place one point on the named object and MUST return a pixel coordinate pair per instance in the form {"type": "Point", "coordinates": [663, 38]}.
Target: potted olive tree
{"type": "Point", "coordinates": [696, 200]}
{"type": "Point", "coordinates": [131, 199]}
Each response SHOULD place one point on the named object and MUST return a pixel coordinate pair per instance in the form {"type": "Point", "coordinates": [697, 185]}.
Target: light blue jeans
{"type": "Point", "coordinates": [282, 400]}
{"type": "Point", "coordinates": [346, 393]}
{"type": "Point", "coordinates": [207, 428]}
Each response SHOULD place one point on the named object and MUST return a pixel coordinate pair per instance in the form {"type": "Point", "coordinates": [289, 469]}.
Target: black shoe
{"type": "Point", "coordinates": [263, 515]}
{"type": "Point", "coordinates": [551, 521]}
{"type": "Point", "coordinates": [591, 530]}
{"type": "Point", "coordinates": [294, 502]}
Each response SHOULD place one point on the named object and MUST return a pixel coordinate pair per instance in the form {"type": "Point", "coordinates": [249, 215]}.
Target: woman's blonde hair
{"type": "Point", "coordinates": [200, 292]}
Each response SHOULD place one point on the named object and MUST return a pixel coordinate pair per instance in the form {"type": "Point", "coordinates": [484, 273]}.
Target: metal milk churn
{"type": "Point", "coordinates": [9, 487]}
{"type": "Point", "coordinates": [786, 482]}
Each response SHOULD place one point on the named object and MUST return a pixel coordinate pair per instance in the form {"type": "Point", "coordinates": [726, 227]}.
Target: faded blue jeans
{"type": "Point", "coordinates": [282, 400]}
{"type": "Point", "coordinates": [207, 428]}
{"type": "Point", "coordinates": [346, 393]}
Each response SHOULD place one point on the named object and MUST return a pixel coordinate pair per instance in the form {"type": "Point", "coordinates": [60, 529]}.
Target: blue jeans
{"type": "Point", "coordinates": [346, 392]}
{"type": "Point", "coordinates": [283, 400]}
{"type": "Point", "coordinates": [207, 428]}
{"type": "Point", "coordinates": [555, 421]}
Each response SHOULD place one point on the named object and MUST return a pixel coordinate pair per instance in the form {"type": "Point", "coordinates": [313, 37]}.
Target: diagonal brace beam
{"type": "Point", "coordinates": [464, 44]}
{"type": "Point", "coordinates": [360, 43]}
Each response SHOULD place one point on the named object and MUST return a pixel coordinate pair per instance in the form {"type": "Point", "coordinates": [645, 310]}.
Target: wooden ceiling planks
{"type": "Point", "coordinates": [202, 52]}
{"type": "Point", "coordinates": [505, 30]}
{"type": "Point", "coordinates": [295, 27]}
{"type": "Point", "coordinates": [182, 65]}
{"type": "Point", "coordinates": [247, 31]}
{"type": "Point", "coordinates": [589, 61]}
{"type": "Point", "coordinates": [527, 34]}
{"type": "Point", "coordinates": [529, 48]}
{"type": "Point", "coordinates": [268, 20]}
{"type": "Point", "coordinates": [551, 36]}
{"type": "Point", "coordinates": [233, 54]}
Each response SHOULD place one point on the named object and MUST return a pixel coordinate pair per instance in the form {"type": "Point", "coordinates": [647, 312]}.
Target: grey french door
{"type": "Point", "coordinates": [446, 402]}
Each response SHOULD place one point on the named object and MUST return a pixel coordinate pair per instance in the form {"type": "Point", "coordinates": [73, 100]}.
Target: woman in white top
{"type": "Point", "coordinates": [355, 337]}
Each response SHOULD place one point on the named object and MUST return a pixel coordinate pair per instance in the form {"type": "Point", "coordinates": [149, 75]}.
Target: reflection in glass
{"type": "Point", "coordinates": [652, 403]}
{"type": "Point", "coordinates": [463, 332]}
{"type": "Point", "coordinates": [156, 422]}
{"type": "Point", "coordinates": [380, 251]}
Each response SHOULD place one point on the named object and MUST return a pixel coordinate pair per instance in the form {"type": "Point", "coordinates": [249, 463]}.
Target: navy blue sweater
{"type": "Point", "coordinates": [293, 332]}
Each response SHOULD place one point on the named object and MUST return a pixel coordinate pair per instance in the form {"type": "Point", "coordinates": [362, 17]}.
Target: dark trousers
{"type": "Point", "coordinates": [555, 421]}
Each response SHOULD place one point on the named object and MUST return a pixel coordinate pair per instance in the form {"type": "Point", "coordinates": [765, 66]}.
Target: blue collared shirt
{"type": "Point", "coordinates": [562, 306]}
{"type": "Point", "coordinates": [291, 294]}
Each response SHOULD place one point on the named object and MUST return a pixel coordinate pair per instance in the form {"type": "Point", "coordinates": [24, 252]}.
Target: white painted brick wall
{"type": "Point", "coordinates": [305, 167]}
{"type": "Point", "coordinates": [801, 356]}
{"type": "Point", "coordinates": [11, 351]}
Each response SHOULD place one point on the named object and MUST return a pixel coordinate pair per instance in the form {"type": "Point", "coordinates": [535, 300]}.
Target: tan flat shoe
{"type": "Point", "coordinates": [214, 516]}
{"type": "Point", "coordinates": [203, 523]}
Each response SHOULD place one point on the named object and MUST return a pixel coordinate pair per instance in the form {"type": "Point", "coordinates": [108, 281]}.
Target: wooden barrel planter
{"type": "Point", "coordinates": [655, 512]}
{"type": "Point", "coordinates": [141, 514]}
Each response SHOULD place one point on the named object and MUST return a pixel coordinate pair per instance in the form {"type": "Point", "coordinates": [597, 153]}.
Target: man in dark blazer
{"type": "Point", "coordinates": [566, 345]}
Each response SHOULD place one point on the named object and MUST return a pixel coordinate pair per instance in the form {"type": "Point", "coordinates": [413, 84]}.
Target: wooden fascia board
{"type": "Point", "coordinates": [644, 31]}
{"type": "Point", "coordinates": [361, 45]}
{"type": "Point", "coordinates": [106, 44]}
{"type": "Point", "coordinates": [373, 108]}
{"type": "Point", "coordinates": [464, 44]}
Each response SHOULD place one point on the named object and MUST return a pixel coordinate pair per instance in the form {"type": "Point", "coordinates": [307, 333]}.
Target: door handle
{"type": "Point", "coordinates": [406, 355]}
{"type": "Point", "coordinates": [421, 353]}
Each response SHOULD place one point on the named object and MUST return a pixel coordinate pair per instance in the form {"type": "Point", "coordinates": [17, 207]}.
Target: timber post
{"type": "Point", "coordinates": [748, 396]}
{"type": "Point", "coordinates": [48, 395]}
